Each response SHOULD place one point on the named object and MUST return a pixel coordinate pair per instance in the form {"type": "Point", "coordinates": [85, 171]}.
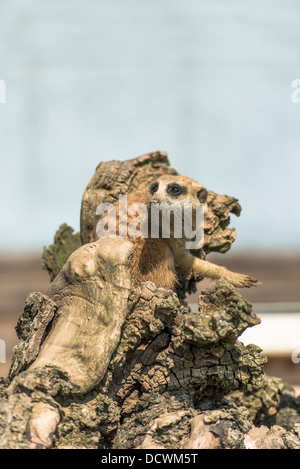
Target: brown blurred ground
{"type": "Point", "coordinates": [19, 276]}
{"type": "Point", "coordinates": [279, 274]}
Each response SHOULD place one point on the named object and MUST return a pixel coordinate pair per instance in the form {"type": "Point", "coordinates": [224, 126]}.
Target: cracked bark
{"type": "Point", "coordinates": [101, 364]}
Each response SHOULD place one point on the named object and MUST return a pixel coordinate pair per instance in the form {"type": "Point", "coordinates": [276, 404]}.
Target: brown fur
{"type": "Point", "coordinates": [157, 259]}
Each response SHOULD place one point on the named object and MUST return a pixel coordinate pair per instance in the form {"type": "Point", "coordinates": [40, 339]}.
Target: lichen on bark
{"type": "Point", "coordinates": [55, 256]}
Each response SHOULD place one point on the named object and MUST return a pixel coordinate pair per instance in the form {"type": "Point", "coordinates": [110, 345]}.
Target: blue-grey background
{"type": "Point", "coordinates": [208, 81]}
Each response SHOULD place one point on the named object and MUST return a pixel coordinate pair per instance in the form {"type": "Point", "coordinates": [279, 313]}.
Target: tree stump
{"type": "Point", "coordinates": [101, 364]}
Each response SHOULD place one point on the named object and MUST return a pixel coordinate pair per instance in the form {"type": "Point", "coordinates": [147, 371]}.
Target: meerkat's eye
{"type": "Point", "coordinates": [202, 195]}
{"type": "Point", "coordinates": [154, 187]}
{"type": "Point", "coordinates": [175, 189]}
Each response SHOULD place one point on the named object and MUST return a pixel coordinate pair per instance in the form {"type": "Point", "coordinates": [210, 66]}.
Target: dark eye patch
{"type": "Point", "coordinates": [154, 187]}
{"type": "Point", "coordinates": [175, 190]}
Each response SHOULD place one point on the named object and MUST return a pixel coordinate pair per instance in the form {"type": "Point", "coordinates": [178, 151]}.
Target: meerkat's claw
{"type": "Point", "coordinates": [243, 281]}
{"type": "Point", "coordinates": [251, 282]}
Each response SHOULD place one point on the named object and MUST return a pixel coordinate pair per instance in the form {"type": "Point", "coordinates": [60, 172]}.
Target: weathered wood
{"type": "Point", "coordinates": [101, 364]}
{"type": "Point", "coordinates": [91, 293]}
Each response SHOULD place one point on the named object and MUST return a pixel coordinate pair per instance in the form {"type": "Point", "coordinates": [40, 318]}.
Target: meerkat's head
{"type": "Point", "coordinates": [181, 199]}
{"type": "Point", "coordinates": [177, 190]}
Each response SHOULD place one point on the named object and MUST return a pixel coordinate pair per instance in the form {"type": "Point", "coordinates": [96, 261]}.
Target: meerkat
{"type": "Point", "coordinates": [158, 259]}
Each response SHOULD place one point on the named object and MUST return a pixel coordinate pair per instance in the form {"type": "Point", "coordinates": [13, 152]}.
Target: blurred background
{"type": "Point", "coordinates": [208, 81]}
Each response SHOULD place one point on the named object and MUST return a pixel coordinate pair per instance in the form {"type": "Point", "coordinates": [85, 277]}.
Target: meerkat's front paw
{"type": "Point", "coordinates": [242, 281]}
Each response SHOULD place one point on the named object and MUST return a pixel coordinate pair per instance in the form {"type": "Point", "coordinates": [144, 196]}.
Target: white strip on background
{"type": "Point", "coordinates": [278, 333]}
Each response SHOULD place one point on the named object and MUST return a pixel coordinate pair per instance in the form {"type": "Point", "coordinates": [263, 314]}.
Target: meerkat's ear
{"type": "Point", "coordinates": [202, 195]}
